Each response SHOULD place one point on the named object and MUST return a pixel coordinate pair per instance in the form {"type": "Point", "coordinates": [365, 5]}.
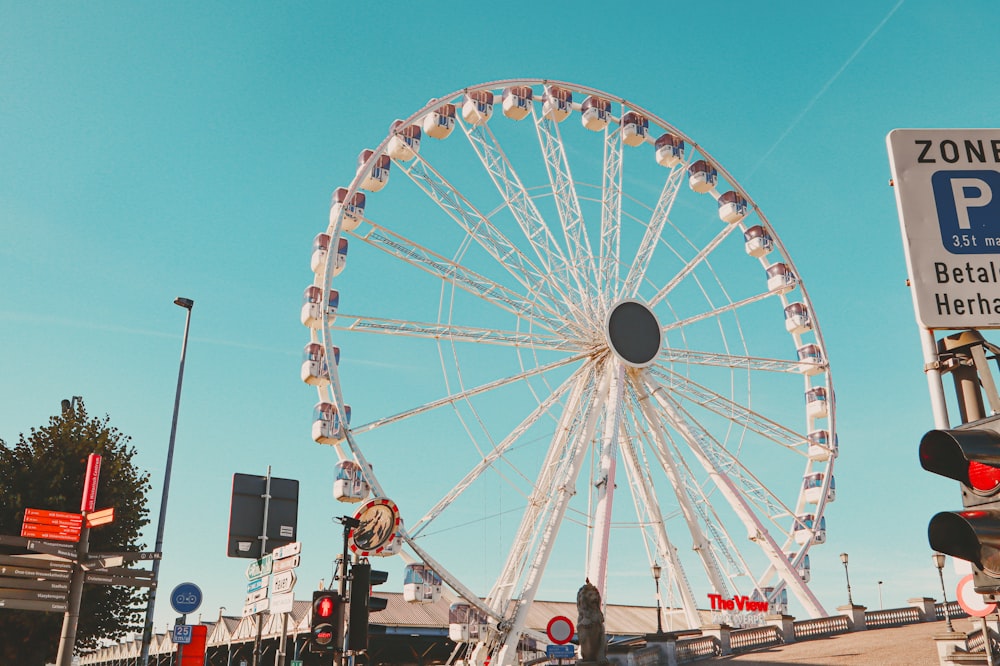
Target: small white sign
{"type": "Point", "coordinates": [282, 603]}
{"type": "Point", "coordinates": [283, 582]}
{"type": "Point", "coordinates": [255, 607]}
{"type": "Point", "coordinates": [287, 550]}
{"type": "Point", "coordinates": [257, 595]}
{"type": "Point", "coordinates": [182, 634]}
{"type": "Point", "coordinates": [286, 564]}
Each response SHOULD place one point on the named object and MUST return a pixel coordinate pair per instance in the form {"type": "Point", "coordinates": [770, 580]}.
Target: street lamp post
{"type": "Point", "coordinates": [843, 558]}
{"type": "Point", "coordinates": [147, 630]}
{"type": "Point", "coordinates": [939, 563]}
{"type": "Point", "coordinates": [656, 580]}
{"type": "Point", "coordinates": [880, 607]}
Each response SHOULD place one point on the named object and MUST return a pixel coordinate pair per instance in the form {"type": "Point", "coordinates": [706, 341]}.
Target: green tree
{"type": "Point", "coordinates": [45, 470]}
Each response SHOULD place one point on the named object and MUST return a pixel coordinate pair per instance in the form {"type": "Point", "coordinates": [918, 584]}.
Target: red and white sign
{"type": "Point", "coordinates": [560, 630]}
{"type": "Point", "coordinates": [89, 500]}
{"type": "Point", "coordinates": [971, 601]}
{"type": "Point", "coordinates": [54, 525]}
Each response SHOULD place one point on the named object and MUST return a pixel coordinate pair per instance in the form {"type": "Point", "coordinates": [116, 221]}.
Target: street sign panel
{"type": "Point", "coordinates": [260, 568]}
{"type": "Point", "coordinates": [246, 514]}
{"type": "Point", "coordinates": [37, 595]}
{"type": "Point", "coordinates": [105, 579]}
{"type": "Point", "coordinates": [102, 517]}
{"type": "Point", "coordinates": [947, 184]}
{"type": "Point", "coordinates": [283, 582]}
{"type": "Point", "coordinates": [255, 607]}
{"type": "Point", "coordinates": [34, 584]}
{"type": "Point", "coordinates": [293, 548]}
{"type": "Point", "coordinates": [35, 561]}
{"type": "Point", "coordinates": [48, 547]}
{"type": "Point", "coordinates": [29, 572]}
{"type": "Point", "coordinates": [560, 651]}
{"type": "Point", "coordinates": [181, 634]}
{"type": "Point", "coordinates": [185, 598]}
{"type": "Point", "coordinates": [28, 604]}
{"type": "Point", "coordinates": [33, 531]}
{"type": "Point", "coordinates": [282, 603]}
{"type": "Point", "coordinates": [560, 630]}
{"type": "Point", "coordinates": [258, 583]}
{"type": "Point", "coordinates": [285, 564]}
{"type": "Point", "coordinates": [971, 601]}
{"type": "Point", "coordinates": [57, 518]}
{"type": "Point", "coordinates": [130, 555]}
{"type": "Point", "coordinates": [256, 595]}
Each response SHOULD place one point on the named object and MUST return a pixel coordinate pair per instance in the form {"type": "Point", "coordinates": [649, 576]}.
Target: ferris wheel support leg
{"type": "Point", "coordinates": [597, 569]}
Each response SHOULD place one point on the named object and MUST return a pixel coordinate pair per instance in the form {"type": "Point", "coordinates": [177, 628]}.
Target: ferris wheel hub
{"type": "Point", "coordinates": [633, 333]}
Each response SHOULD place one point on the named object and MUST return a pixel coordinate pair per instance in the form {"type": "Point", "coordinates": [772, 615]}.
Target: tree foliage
{"type": "Point", "coordinates": [46, 470]}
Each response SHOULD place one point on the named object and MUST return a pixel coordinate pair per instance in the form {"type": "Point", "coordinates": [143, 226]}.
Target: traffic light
{"type": "Point", "coordinates": [363, 578]}
{"type": "Point", "coordinates": [327, 630]}
{"type": "Point", "coordinates": [970, 454]}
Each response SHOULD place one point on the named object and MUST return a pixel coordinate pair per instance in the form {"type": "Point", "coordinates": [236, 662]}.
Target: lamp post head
{"type": "Point", "coordinates": [938, 560]}
{"type": "Point", "coordinates": [185, 303]}
{"type": "Point", "coordinates": [843, 558]}
{"type": "Point", "coordinates": [656, 571]}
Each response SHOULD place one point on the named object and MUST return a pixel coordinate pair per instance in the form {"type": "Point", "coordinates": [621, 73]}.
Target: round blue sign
{"type": "Point", "coordinates": [185, 598]}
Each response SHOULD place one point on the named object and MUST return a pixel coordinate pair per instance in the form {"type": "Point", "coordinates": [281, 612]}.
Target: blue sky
{"type": "Point", "coordinates": [150, 152]}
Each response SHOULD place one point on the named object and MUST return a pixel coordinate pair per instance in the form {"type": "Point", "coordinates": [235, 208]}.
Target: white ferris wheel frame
{"type": "Point", "coordinates": [590, 385]}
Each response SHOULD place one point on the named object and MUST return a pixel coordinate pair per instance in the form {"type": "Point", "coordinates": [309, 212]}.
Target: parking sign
{"type": "Point", "coordinates": [947, 184]}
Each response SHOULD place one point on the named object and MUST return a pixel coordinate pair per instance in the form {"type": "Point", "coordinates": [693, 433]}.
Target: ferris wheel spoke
{"type": "Point", "coordinates": [433, 330]}
{"type": "Point", "coordinates": [567, 203]}
{"type": "Point", "coordinates": [647, 510]}
{"type": "Point", "coordinates": [694, 436]}
{"type": "Point", "coordinates": [661, 213]}
{"type": "Point", "coordinates": [488, 461]}
{"type": "Point", "coordinates": [611, 212]}
{"type": "Point", "coordinates": [516, 197]}
{"type": "Point", "coordinates": [703, 358]}
{"type": "Point", "coordinates": [731, 410]}
{"type": "Point", "coordinates": [724, 462]}
{"type": "Point", "coordinates": [393, 244]}
{"type": "Point", "coordinates": [729, 307]}
{"type": "Point", "coordinates": [692, 264]}
{"type": "Point", "coordinates": [465, 395]}
{"type": "Point", "coordinates": [685, 488]}
{"type": "Point", "coordinates": [568, 450]}
{"type": "Point", "coordinates": [485, 233]}
{"type": "Point", "coordinates": [612, 407]}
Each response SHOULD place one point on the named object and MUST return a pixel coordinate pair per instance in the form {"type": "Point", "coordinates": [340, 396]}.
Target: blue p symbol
{"type": "Point", "coordinates": [968, 212]}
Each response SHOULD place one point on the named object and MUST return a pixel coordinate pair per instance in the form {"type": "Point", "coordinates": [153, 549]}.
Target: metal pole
{"type": "Point", "coordinates": [880, 607]}
{"type": "Point", "coordinates": [263, 552]}
{"type": "Point", "coordinates": [147, 631]}
{"type": "Point", "coordinates": [933, 372]}
{"type": "Point", "coordinates": [843, 558]}
{"type": "Point", "coordinates": [72, 616]}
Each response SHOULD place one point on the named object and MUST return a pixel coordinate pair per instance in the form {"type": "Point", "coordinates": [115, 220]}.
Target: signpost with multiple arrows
{"type": "Point", "coordinates": [49, 575]}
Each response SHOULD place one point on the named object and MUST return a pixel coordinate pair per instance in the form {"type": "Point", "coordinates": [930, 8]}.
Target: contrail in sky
{"type": "Point", "coordinates": [826, 86]}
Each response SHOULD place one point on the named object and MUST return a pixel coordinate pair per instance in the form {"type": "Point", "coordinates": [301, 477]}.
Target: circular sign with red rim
{"type": "Point", "coordinates": [560, 630]}
{"type": "Point", "coordinates": [378, 523]}
{"type": "Point", "coordinates": [971, 601]}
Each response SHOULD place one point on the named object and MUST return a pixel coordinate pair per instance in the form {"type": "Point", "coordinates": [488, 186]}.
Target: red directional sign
{"type": "Point", "coordinates": [51, 533]}
{"type": "Point", "coordinates": [56, 518]}
{"type": "Point", "coordinates": [56, 525]}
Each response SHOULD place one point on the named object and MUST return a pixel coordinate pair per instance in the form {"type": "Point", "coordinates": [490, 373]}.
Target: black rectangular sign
{"type": "Point", "coordinates": [246, 515]}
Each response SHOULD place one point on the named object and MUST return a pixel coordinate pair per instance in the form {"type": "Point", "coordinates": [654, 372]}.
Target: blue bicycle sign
{"type": "Point", "coordinates": [185, 598]}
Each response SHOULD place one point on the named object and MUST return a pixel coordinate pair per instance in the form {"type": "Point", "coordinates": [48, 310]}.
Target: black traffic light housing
{"type": "Point", "coordinates": [363, 578]}
{"type": "Point", "coordinates": [970, 454]}
{"type": "Point", "coordinates": [327, 628]}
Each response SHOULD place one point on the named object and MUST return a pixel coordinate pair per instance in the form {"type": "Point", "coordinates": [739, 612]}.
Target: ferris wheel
{"type": "Point", "coordinates": [575, 349]}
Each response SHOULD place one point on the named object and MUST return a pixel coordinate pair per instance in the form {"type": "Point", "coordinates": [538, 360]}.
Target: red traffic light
{"type": "Point", "coordinates": [970, 456]}
{"type": "Point", "coordinates": [324, 606]}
